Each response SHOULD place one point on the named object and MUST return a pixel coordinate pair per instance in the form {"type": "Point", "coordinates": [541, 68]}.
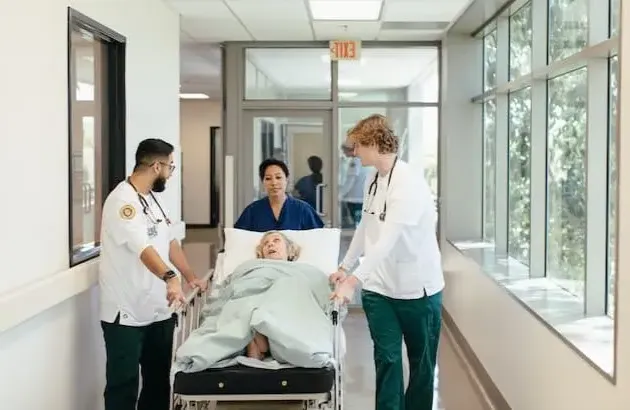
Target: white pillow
{"type": "Point", "coordinates": [319, 247]}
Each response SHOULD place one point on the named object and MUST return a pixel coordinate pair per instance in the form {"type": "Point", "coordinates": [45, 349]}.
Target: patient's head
{"type": "Point", "coordinates": [275, 245]}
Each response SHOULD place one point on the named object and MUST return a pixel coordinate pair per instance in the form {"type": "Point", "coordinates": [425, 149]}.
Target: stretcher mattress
{"type": "Point", "coordinates": [243, 380]}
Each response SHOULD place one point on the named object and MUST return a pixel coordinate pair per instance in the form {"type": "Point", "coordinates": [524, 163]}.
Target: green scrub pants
{"type": "Point", "coordinates": [128, 348]}
{"type": "Point", "coordinates": [418, 322]}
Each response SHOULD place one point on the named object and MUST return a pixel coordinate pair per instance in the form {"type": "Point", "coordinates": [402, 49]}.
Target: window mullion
{"type": "Point", "coordinates": [595, 288]}
{"type": "Point", "coordinates": [502, 113]}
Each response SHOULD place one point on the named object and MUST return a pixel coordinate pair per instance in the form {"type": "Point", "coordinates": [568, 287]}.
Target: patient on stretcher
{"type": "Point", "coordinates": [273, 245]}
{"type": "Point", "coordinates": [272, 307]}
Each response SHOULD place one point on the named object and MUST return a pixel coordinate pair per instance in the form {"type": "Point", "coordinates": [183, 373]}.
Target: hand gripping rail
{"type": "Point", "coordinates": [188, 319]}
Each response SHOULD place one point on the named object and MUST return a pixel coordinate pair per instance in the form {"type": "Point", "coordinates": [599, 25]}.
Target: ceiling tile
{"type": "Point", "coordinates": [422, 10]}
{"type": "Point", "coordinates": [281, 32]}
{"type": "Point", "coordinates": [202, 8]}
{"type": "Point", "coordinates": [269, 11]}
{"type": "Point", "coordinates": [214, 30]}
{"type": "Point", "coordinates": [364, 30]}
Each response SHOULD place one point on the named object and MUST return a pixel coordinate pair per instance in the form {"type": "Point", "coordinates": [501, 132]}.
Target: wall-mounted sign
{"type": "Point", "coordinates": [345, 50]}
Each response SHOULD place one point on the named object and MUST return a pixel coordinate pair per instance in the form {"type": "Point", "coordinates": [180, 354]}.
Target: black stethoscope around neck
{"type": "Point", "coordinates": [146, 209]}
{"type": "Point", "coordinates": [371, 194]}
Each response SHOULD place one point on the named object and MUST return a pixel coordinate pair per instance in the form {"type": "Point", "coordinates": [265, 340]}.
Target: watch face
{"type": "Point", "coordinates": [169, 274]}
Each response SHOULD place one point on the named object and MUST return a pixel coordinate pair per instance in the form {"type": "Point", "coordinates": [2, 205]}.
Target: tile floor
{"type": "Point", "coordinates": [454, 390]}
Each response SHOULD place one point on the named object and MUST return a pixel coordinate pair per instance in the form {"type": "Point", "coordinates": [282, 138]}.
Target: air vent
{"type": "Point", "coordinates": [419, 25]}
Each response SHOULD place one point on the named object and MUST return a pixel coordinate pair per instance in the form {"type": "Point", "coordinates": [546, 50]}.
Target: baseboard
{"type": "Point", "coordinates": [478, 375]}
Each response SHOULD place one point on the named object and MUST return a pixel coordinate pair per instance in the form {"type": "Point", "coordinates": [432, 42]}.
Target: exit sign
{"type": "Point", "coordinates": [345, 50]}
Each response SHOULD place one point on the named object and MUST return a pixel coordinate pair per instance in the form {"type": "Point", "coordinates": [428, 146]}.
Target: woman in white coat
{"type": "Point", "coordinates": [401, 273]}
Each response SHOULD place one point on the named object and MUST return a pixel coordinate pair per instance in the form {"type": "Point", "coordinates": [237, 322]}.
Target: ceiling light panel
{"type": "Point", "coordinates": [346, 10]}
{"type": "Point", "coordinates": [193, 96]}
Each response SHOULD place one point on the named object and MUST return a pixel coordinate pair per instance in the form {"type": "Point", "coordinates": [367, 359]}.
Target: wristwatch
{"type": "Point", "coordinates": [168, 275]}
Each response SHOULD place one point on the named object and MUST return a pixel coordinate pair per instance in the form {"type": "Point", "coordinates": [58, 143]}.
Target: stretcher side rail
{"type": "Point", "coordinates": [188, 320]}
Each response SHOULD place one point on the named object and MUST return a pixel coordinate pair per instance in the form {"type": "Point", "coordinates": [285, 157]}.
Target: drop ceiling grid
{"type": "Point", "coordinates": [208, 22]}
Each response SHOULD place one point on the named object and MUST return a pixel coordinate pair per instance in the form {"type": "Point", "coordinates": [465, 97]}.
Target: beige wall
{"type": "Point", "coordinates": [196, 118]}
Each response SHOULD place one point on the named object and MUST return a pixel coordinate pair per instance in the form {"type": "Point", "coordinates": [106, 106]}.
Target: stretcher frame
{"type": "Point", "coordinates": [188, 318]}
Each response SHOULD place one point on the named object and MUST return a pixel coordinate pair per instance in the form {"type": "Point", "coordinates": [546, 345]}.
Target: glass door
{"type": "Point", "coordinates": [300, 138]}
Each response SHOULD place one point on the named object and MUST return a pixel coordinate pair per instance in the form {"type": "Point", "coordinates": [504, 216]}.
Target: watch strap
{"type": "Point", "coordinates": [168, 275]}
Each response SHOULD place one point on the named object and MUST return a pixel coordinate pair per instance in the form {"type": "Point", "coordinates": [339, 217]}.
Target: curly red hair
{"type": "Point", "coordinates": [374, 131]}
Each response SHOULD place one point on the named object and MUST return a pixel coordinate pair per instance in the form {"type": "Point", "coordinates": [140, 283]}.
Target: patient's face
{"type": "Point", "coordinates": [274, 247]}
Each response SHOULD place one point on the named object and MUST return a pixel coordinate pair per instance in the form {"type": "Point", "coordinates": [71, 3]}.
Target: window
{"type": "Point", "coordinates": [568, 28]}
{"type": "Point", "coordinates": [612, 184]}
{"type": "Point", "coordinates": [490, 61]}
{"type": "Point", "coordinates": [280, 74]}
{"type": "Point", "coordinates": [566, 181]}
{"type": "Point", "coordinates": [96, 127]}
{"type": "Point", "coordinates": [521, 42]}
{"type": "Point", "coordinates": [489, 169]}
{"type": "Point", "coordinates": [519, 157]}
{"type": "Point", "coordinates": [412, 75]}
{"type": "Point", "coordinates": [549, 174]}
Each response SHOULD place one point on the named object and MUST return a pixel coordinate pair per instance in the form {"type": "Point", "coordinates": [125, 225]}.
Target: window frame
{"type": "Point", "coordinates": [114, 139]}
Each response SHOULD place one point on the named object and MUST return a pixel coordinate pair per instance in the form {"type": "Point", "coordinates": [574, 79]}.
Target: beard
{"type": "Point", "coordinates": [159, 185]}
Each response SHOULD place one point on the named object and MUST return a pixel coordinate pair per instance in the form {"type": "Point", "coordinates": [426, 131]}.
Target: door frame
{"type": "Point", "coordinates": [246, 166]}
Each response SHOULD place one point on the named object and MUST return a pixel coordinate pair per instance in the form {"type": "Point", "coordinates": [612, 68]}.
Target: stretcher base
{"type": "Point", "coordinates": [244, 380]}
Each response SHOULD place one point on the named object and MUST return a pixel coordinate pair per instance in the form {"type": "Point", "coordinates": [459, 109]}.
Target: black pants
{"type": "Point", "coordinates": [128, 348]}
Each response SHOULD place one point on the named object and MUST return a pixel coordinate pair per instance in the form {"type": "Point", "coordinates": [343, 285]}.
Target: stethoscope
{"type": "Point", "coordinates": [372, 193]}
{"type": "Point", "coordinates": [146, 209]}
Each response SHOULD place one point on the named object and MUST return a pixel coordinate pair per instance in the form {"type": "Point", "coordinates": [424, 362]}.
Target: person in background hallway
{"type": "Point", "coordinates": [307, 185]}
{"type": "Point", "coordinates": [137, 286]}
{"type": "Point", "coordinates": [351, 191]}
{"type": "Point", "coordinates": [401, 271]}
{"type": "Point", "coordinates": [277, 211]}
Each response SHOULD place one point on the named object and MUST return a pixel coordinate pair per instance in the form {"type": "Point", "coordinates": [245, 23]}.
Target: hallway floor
{"type": "Point", "coordinates": [454, 390]}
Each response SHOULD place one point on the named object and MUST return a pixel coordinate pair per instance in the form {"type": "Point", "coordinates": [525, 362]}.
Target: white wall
{"type": "Point", "coordinates": [460, 141]}
{"type": "Point", "coordinates": [55, 359]}
{"type": "Point", "coordinates": [196, 118]}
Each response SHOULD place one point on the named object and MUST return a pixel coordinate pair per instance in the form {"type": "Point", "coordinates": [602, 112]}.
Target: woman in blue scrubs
{"type": "Point", "coordinates": [277, 211]}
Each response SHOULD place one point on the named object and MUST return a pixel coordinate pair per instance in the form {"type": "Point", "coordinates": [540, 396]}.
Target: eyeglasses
{"type": "Point", "coordinates": [171, 167]}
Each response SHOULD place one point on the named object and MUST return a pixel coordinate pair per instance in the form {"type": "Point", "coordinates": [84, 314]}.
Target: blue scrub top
{"type": "Point", "coordinates": [295, 215]}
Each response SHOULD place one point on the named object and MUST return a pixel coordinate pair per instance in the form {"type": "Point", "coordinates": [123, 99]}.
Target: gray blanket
{"type": "Point", "coordinates": [286, 301]}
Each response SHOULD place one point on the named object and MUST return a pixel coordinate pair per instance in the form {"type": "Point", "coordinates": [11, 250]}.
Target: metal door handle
{"type": "Point", "coordinates": [318, 199]}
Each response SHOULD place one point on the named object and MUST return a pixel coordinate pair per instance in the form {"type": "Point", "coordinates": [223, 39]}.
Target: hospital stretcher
{"type": "Point", "coordinates": [315, 388]}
